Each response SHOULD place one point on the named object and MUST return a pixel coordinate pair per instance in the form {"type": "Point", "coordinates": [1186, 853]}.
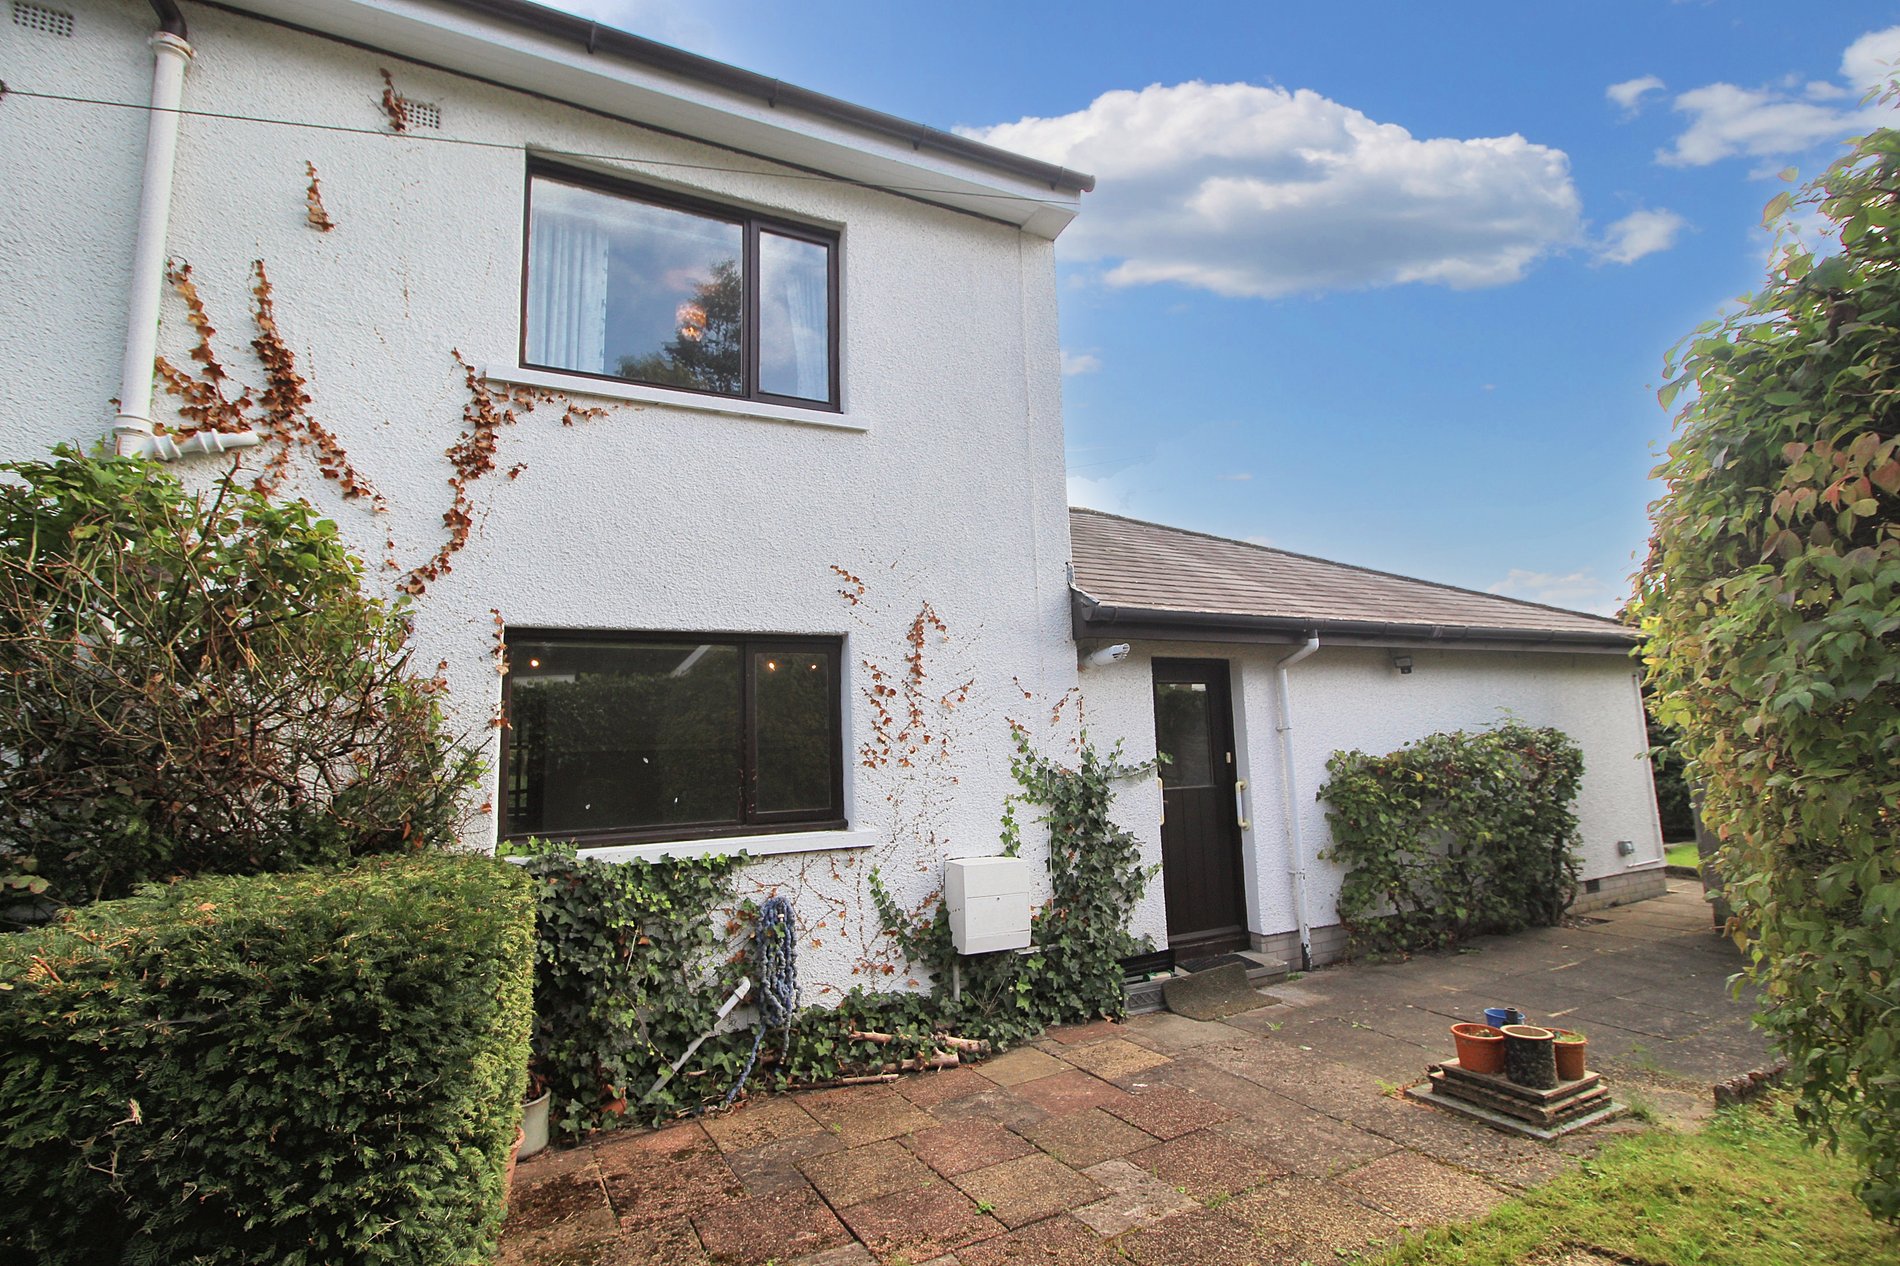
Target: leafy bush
{"type": "Point", "coordinates": [312, 1069]}
{"type": "Point", "coordinates": [1456, 835]}
{"type": "Point", "coordinates": [197, 685]}
{"type": "Point", "coordinates": [1771, 600]}
{"type": "Point", "coordinates": [627, 974]}
{"type": "Point", "coordinates": [1080, 934]}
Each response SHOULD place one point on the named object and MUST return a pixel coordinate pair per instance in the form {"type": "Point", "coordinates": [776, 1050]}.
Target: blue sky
{"type": "Point", "coordinates": [1385, 282]}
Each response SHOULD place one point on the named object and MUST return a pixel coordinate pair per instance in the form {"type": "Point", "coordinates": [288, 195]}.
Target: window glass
{"type": "Point", "coordinates": [1183, 733]}
{"type": "Point", "coordinates": [792, 698]}
{"type": "Point", "coordinates": [794, 317]}
{"type": "Point", "coordinates": [607, 736]}
{"type": "Point", "coordinates": [634, 290]}
{"type": "Point", "coordinates": [627, 284]}
{"type": "Point", "coordinates": [669, 737]}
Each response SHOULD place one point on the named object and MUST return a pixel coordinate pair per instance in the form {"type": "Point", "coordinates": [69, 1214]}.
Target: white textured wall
{"type": "Point", "coordinates": [1348, 697]}
{"type": "Point", "coordinates": [652, 517]}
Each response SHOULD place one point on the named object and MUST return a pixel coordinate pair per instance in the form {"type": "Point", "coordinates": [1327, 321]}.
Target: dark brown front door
{"type": "Point", "coordinates": [1200, 836]}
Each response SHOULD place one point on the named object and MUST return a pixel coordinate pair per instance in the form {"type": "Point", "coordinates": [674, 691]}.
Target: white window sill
{"type": "Point", "coordinates": [750, 845]}
{"type": "Point", "coordinates": [634, 393]}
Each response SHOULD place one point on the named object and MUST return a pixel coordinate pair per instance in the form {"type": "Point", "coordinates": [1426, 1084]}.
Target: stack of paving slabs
{"type": "Point", "coordinates": [1500, 1102]}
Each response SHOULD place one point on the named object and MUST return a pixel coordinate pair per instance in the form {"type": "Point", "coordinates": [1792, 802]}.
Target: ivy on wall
{"type": "Point", "coordinates": [1454, 836]}
{"type": "Point", "coordinates": [1079, 936]}
{"type": "Point", "coordinates": [634, 958]}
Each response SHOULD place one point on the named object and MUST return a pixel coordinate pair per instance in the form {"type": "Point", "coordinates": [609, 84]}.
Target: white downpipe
{"type": "Point", "coordinates": [133, 433]}
{"type": "Point", "coordinates": [1296, 865]}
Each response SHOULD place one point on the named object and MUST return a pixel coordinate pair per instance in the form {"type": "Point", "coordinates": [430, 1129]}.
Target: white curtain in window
{"type": "Point", "coordinates": [805, 301]}
{"type": "Point", "coordinates": [567, 291]}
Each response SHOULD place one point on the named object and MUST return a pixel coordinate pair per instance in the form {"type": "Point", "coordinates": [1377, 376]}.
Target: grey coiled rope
{"type": "Point", "coordinates": [774, 945]}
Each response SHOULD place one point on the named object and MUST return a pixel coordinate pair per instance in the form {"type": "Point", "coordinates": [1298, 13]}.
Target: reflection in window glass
{"type": "Point", "coordinates": [634, 290]}
{"type": "Point", "coordinates": [792, 694]}
{"type": "Point", "coordinates": [1183, 733]}
{"type": "Point", "coordinates": [794, 317]}
{"type": "Point", "coordinates": [610, 736]}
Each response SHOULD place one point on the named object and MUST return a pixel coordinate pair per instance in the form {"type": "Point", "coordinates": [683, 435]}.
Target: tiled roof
{"type": "Point", "coordinates": [1144, 568]}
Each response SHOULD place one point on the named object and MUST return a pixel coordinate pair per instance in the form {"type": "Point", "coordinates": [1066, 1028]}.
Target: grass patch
{"type": "Point", "coordinates": [1682, 855]}
{"type": "Point", "coordinates": [1745, 1191]}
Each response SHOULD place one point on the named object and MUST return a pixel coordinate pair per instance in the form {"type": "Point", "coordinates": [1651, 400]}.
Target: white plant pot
{"type": "Point", "coordinates": [534, 1125]}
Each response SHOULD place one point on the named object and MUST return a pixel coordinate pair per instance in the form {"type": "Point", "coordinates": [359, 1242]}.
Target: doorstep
{"type": "Point", "coordinates": [1143, 995]}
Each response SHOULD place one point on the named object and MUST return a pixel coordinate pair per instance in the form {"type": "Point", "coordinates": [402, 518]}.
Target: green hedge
{"type": "Point", "coordinates": [313, 1068]}
{"type": "Point", "coordinates": [1456, 835]}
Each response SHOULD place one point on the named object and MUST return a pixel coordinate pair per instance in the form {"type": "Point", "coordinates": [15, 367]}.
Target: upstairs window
{"type": "Point", "coordinates": [613, 739]}
{"type": "Point", "coordinates": [644, 287]}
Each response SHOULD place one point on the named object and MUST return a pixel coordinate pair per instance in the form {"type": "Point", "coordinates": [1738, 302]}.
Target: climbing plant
{"type": "Point", "coordinates": [1771, 603]}
{"type": "Point", "coordinates": [629, 968]}
{"type": "Point", "coordinates": [1456, 835]}
{"type": "Point", "coordinates": [1080, 935]}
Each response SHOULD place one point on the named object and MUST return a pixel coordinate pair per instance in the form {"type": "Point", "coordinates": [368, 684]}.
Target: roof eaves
{"type": "Point", "coordinates": [650, 54]}
{"type": "Point", "coordinates": [1094, 618]}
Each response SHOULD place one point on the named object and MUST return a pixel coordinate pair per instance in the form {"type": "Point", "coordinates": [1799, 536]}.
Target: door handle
{"type": "Point", "coordinates": [1162, 787]}
{"type": "Point", "coordinates": [1240, 805]}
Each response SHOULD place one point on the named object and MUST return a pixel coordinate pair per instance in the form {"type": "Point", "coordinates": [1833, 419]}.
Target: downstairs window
{"type": "Point", "coordinates": [614, 738]}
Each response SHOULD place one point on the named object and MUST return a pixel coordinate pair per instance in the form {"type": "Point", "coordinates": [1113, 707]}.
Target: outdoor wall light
{"type": "Point", "coordinates": [1107, 655]}
{"type": "Point", "coordinates": [1403, 663]}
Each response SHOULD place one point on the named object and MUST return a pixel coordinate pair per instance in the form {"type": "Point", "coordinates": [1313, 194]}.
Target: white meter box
{"type": "Point", "coordinates": [988, 901]}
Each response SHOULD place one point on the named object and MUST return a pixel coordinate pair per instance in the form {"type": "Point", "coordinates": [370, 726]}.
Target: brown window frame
{"type": "Point", "coordinates": [750, 820]}
{"type": "Point", "coordinates": [751, 223]}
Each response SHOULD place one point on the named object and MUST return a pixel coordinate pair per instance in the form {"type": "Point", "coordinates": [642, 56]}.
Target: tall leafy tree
{"type": "Point", "coordinates": [1771, 601]}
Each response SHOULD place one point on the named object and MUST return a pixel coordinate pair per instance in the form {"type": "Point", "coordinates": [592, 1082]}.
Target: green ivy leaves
{"type": "Point", "coordinates": [1454, 836]}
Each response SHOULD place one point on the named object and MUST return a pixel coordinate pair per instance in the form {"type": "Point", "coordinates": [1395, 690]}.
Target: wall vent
{"type": "Point", "coordinates": [38, 17]}
{"type": "Point", "coordinates": [420, 113]}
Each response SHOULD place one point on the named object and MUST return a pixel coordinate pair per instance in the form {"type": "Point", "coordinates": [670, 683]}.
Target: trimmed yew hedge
{"type": "Point", "coordinates": [323, 1067]}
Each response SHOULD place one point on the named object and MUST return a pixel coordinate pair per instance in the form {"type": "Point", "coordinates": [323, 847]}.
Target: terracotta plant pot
{"type": "Point", "coordinates": [1480, 1048]}
{"type": "Point", "coordinates": [1569, 1048]}
{"type": "Point", "coordinates": [1530, 1057]}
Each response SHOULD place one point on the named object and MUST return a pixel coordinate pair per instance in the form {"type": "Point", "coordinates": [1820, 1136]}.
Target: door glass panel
{"type": "Point", "coordinates": [792, 693]}
{"type": "Point", "coordinates": [1183, 733]}
{"type": "Point", "coordinates": [607, 736]}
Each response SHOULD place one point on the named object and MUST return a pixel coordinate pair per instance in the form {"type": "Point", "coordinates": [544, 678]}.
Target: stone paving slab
{"type": "Point", "coordinates": [1273, 1136]}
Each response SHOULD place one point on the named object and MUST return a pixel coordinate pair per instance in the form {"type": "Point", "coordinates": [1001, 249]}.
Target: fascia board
{"type": "Point", "coordinates": [557, 69]}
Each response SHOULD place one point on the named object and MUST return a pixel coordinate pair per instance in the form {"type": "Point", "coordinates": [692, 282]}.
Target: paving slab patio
{"type": "Point", "coordinates": [1273, 1136]}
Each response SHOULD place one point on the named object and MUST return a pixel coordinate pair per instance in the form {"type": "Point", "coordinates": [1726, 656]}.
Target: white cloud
{"type": "Point", "coordinates": [1079, 363]}
{"type": "Point", "coordinates": [1726, 121]}
{"type": "Point", "coordinates": [1638, 234]}
{"type": "Point", "coordinates": [1257, 191]}
{"type": "Point", "coordinates": [1109, 494]}
{"type": "Point", "coordinates": [1578, 590]}
{"type": "Point", "coordinates": [1630, 93]}
{"type": "Point", "coordinates": [1237, 477]}
{"type": "Point", "coordinates": [1869, 61]}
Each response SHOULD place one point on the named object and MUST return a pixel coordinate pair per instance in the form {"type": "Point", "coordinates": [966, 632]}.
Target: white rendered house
{"type": "Point", "coordinates": [773, 342]}
{"type": "Point", "coordinates": [1251, 666]}
{"type": "Point", "coordinates": [724, 416]}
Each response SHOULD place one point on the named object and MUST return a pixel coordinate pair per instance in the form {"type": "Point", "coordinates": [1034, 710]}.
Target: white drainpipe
{"type": "Point", "coordinates": [1296, 866]}
{"type": "Point", "coordinates": [132, 431]}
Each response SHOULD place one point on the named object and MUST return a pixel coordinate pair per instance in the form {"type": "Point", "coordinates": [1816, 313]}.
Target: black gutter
{"type": "Point", "coordinates": [596, 39]}
{"type": "Point", "coordinates": [170, 20]}
{"type": "Point", "coordinates": [1093, 618]}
